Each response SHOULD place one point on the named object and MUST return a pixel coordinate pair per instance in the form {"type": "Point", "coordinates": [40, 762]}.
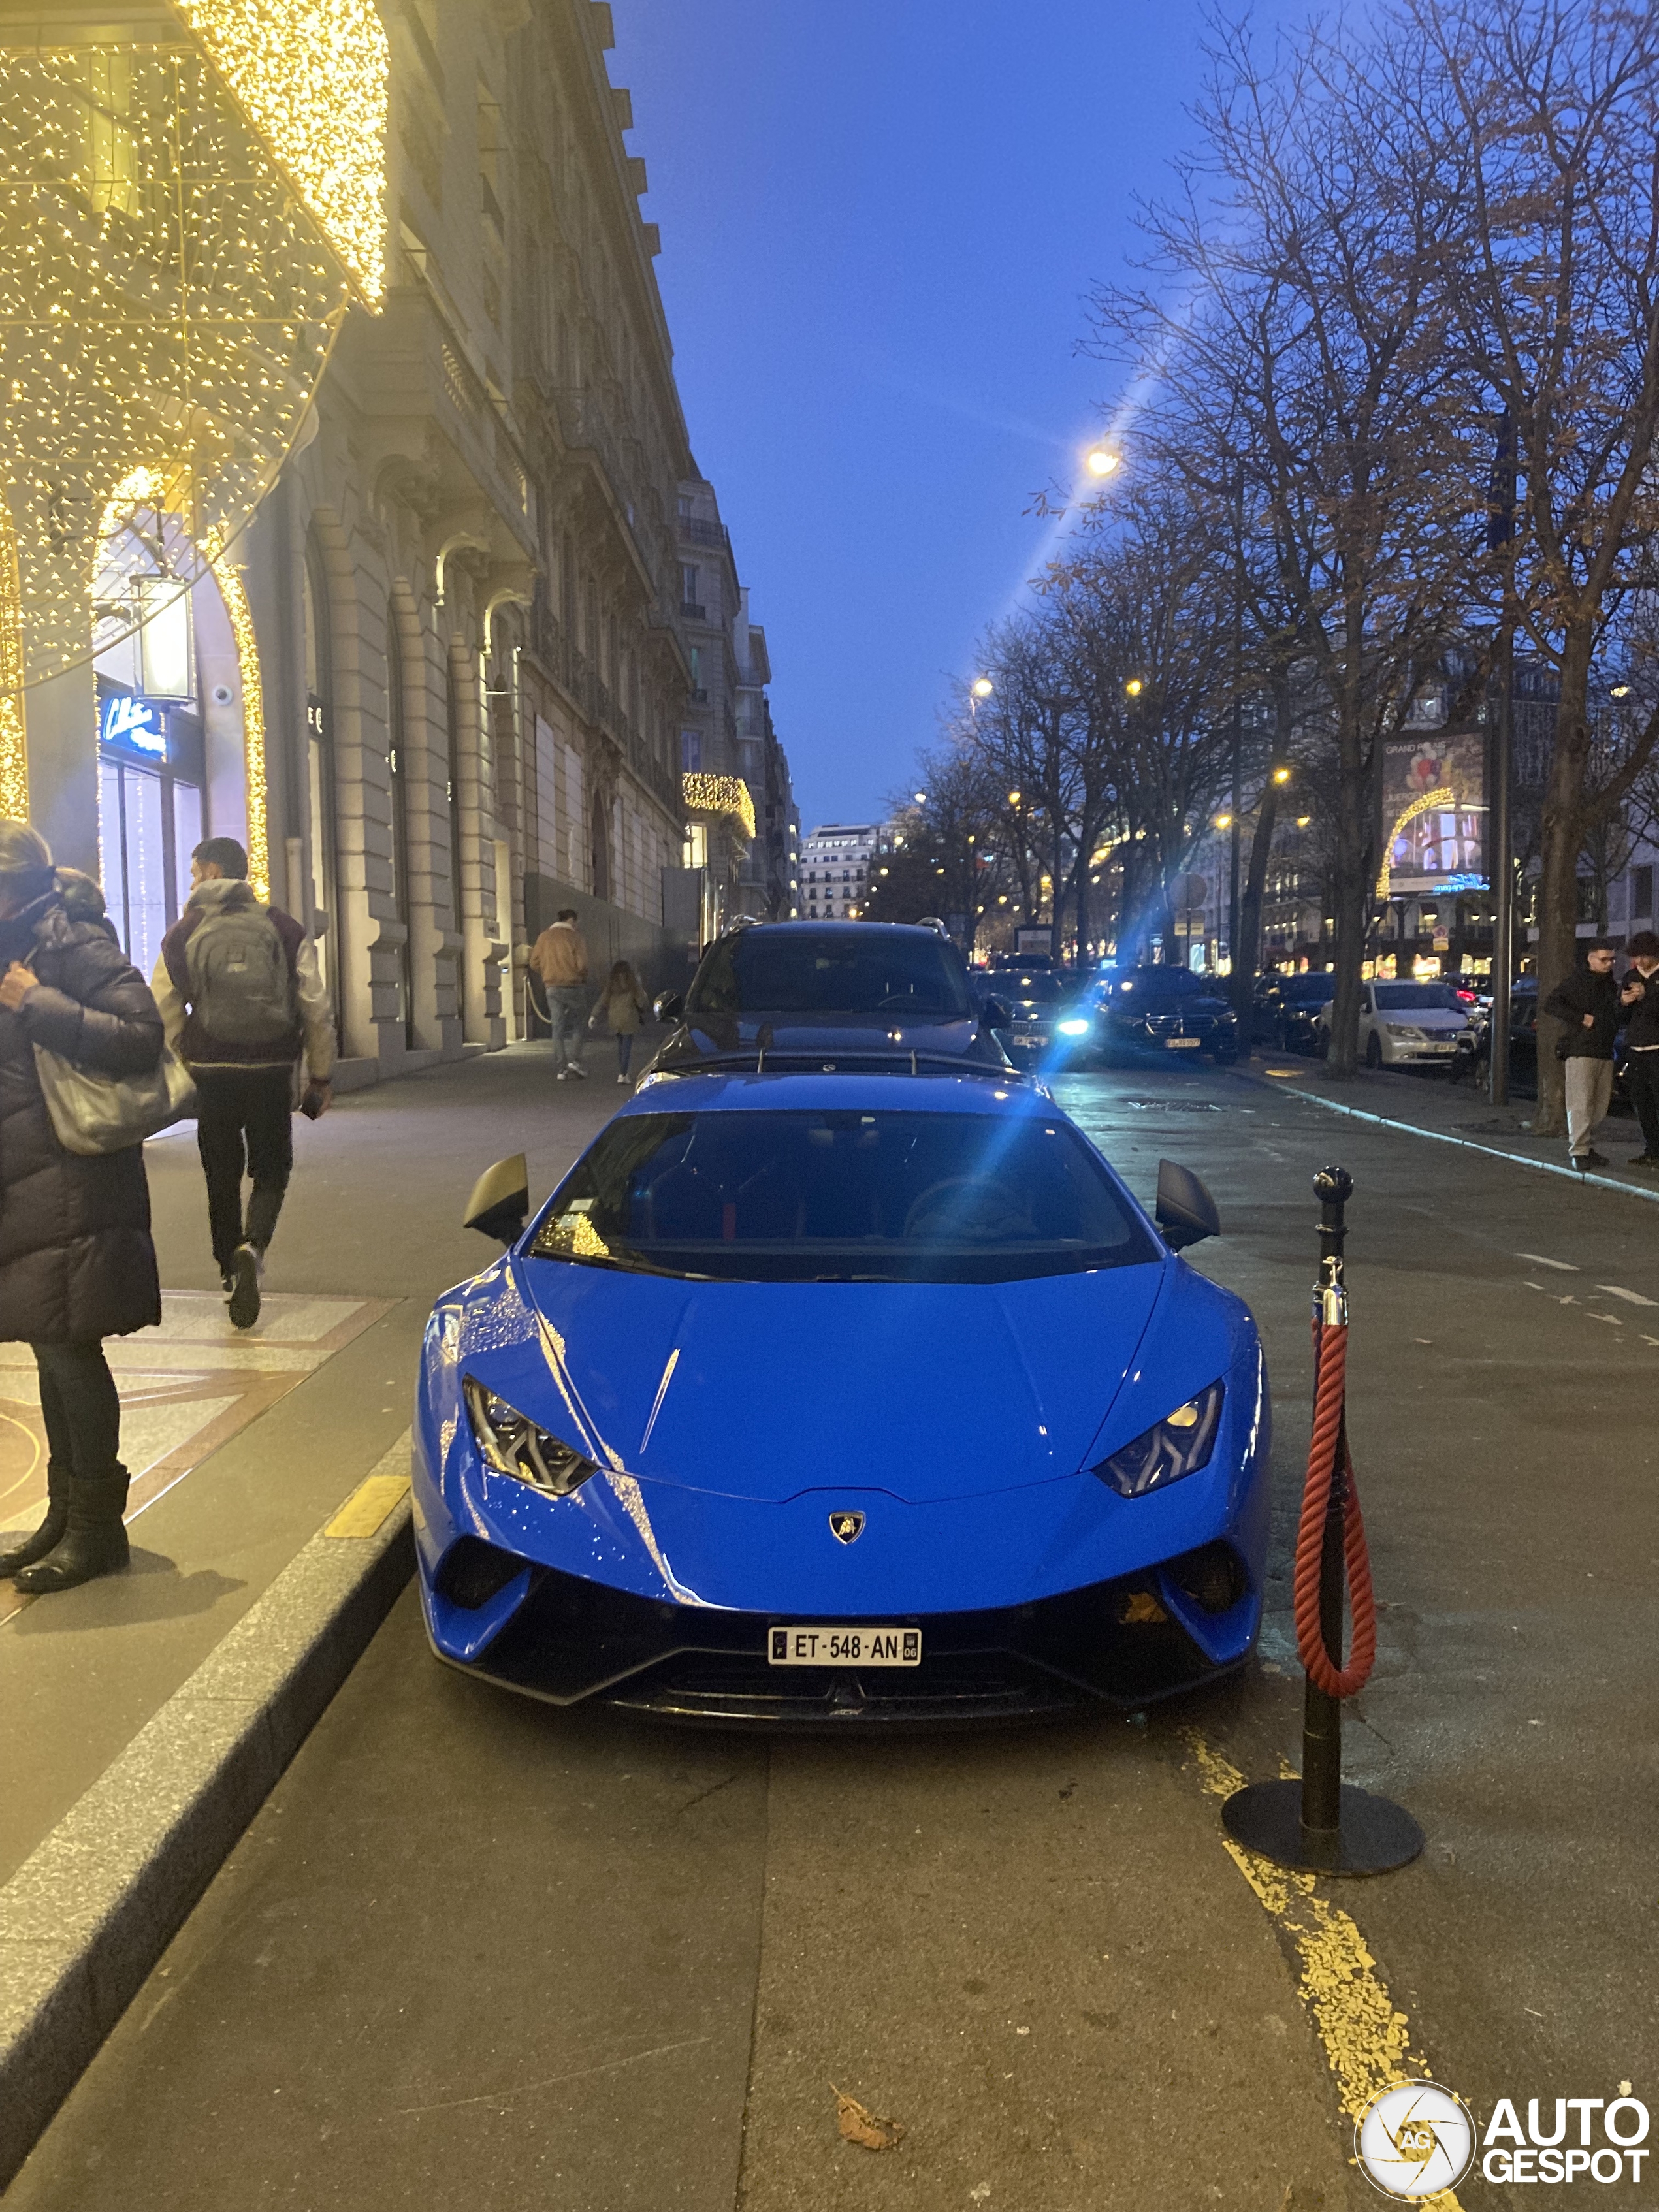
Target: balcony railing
{"type": "Point", "coordinates": [693, 611]}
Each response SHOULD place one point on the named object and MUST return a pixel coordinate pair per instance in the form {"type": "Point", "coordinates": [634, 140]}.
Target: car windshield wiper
{"type": "Point", "coordinates": [621, 1266]}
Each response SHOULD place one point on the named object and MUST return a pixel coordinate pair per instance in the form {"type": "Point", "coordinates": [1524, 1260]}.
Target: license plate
{"type": "Point", "coordinates": [1183, 1044]}
{"type": "Point", "coordinates": [843, 1647]}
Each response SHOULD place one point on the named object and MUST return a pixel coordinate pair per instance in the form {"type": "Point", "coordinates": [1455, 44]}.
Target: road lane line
{"type": "Point", "coordinates": [1468, 1145]}
{"type": "Point", "coordinates": [1539, 1261]}
{"type": "Point", "coordinates": [1366, 2038]}
{"type": "Point", "coordinates": [1631, 1297]}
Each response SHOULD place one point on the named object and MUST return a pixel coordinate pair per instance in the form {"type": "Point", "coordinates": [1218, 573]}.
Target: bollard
{"type": "Point", "coordinates": [1322, 1825]}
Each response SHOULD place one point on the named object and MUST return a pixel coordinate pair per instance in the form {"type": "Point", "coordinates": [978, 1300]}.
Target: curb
{"type": "Point", "coordinates": [1469, 1143]}
{"type": "Point", "coordinates": [87, 1916]}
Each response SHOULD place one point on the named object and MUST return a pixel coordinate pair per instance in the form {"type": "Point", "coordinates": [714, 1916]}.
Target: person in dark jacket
{"type": "Point", "coordinates": [1588, 1004]}
{"type": "Point", "coordinates": [76, 1262]}
{"type": "Point", "coordinates": [1640, 999]}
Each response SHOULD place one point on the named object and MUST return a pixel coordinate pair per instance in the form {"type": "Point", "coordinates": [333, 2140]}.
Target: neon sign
{"type": "Point", "coordinates": [134, 724]}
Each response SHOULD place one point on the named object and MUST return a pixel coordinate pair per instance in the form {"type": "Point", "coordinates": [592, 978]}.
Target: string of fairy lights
{"type": "Point", "coordinates": [182, 228]}
{"type": "Point", "coordinates": [719, 794]}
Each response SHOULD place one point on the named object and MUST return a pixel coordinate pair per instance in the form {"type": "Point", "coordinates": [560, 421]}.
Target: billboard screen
{"type": "Point", "coordinates": [1434, 813]}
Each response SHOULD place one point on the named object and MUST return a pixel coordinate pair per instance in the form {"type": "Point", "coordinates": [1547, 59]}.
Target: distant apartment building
{"type": "Point", "coordinates": [836, 863]}
{"type": "Point", "coordinates": [735, 776]}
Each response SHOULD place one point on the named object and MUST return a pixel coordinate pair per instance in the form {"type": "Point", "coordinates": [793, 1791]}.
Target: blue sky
{"type": "Point", "coordinates": [880, 220]}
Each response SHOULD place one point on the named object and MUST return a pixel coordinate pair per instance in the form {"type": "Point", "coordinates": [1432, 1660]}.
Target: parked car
{"type": "Point", "coordinates": [1406, 1024]}
{"type": "Point", "coordinates": [1287, 1008]}
{"type": "Point", "coordinates": [1473, 1057]}
{"type": "Point", "coordinates": [1050, 1490]}
{"type": "Point", "coordinates": [794, 993]}
{"type": "Point", "coordinates": [1165, 1010]}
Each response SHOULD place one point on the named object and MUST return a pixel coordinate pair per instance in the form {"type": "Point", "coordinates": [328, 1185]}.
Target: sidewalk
{"type": "Point", "coordinates": [1457, 1115]}
{"type": "Point", "coordinates": [149, 1712]}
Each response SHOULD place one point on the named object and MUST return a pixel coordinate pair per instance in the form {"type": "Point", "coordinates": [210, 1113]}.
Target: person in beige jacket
{"type": "Point", "coordinates": [559, 957]}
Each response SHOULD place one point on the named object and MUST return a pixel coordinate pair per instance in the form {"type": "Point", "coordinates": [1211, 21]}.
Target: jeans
{"type": "Point", "coordinates": [1645, 1096]}
{"type": "Point", "coordinates": [244, 1126]}
{"type": "Point", "coordinates": [1590, 1094]}
{"type": "Point", "coordinates": [564, 1007]}
{"type": "Point", "coordinates": [624, 1050]}
{"type": "Point", "coordinates": [80, 1408]}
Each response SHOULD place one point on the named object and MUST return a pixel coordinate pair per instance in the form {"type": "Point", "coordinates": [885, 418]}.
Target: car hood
{"type": "Point", "coordinates": [765, 1390]}
{"type": "Point", "coordinates": [1432, 1019]}
{"type": "Point", "coordinates": [1204, 1004]}
{"type": "Point", "coordinates": [704, 1036]}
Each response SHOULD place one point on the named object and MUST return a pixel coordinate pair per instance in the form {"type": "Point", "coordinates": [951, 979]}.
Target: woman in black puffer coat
{"type": "Point", "coordinates": [76, 1262]}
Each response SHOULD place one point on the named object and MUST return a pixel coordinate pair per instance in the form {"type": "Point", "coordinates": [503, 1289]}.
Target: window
{"type": "Point", "coordinates": [1641, 894]}
{"type": "Point", "coordinates": [691, 751]}
{"type": "Point", "coordinates": [833, 1195]}
{"type": "Point", "coordinates": [687, 580]}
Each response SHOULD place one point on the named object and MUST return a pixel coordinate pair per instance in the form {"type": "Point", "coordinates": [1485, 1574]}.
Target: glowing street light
{"type": "Point", "coordinates": [1224, 822]}
{"type": "Point", "coordinates": [1013, 798]}
{"type": "Point", "coordinates": [983, 687]}
{"type": "Point", "coordinates": [1621, 691]}
{"type": "Point", "coordinates": [1100, 461]}
{"type": "Point", "coordinates": [1281, 775]}
{"type": "Point", "coordinates": [920, 798]}
{"type": "Point", "coordinates": [1134, 687]}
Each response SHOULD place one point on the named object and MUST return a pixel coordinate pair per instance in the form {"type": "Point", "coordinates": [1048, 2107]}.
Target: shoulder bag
{"type": "Point", "coordinates": [92, 1114]}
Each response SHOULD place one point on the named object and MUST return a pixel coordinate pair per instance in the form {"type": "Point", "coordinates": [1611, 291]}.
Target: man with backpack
{"type": "Point", "coordinates": [242, 997]}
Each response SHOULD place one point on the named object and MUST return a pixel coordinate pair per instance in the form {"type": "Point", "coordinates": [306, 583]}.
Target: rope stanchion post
{"type": "Point", "coordinates": [1322, 1825]}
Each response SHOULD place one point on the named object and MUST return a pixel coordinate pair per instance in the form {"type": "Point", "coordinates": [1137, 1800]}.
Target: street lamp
{"type": "Point", "coordinates": [1224, 822]}
{"type": "Point", "coordinates": [1102, 461]}
{"type": "Point", "coordinates": [983, 687]}
{"type": "Point", "coordinates": [1013, 798]}
{"type": "Point", "coordinates": [920, 798]}
{"type": "Point", "coordinates": [1134, 687]}
{"type": "Point", "coordinates": [1281, 775]}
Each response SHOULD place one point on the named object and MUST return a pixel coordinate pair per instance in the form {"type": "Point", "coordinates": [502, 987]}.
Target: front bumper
{"type": "Point", "coordinates": [1118, 1644]}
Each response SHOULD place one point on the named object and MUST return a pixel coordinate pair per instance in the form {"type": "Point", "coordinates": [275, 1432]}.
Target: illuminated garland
{"type": "Point", "coordinates": [253, 728]}
{"type": "Point", "coordinates": [719, 794]}
{"type": "Point", "coordinates": [310, 76]}
{"type": "Point", "coordinates": [167, 300]}
{"type": "Point", "coordinates": [14, 748]}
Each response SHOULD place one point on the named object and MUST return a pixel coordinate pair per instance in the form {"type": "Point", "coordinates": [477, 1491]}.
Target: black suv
{"type": "Point", "coordinates": [846, 994]}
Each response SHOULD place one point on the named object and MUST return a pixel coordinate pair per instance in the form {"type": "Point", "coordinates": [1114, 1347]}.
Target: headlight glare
{"type": "Point", "coordinates": [1179, 1444]}
{"type": "Point", "coordinates": [512, 1444]}
{"type": "Point", "coordinates": [1073, 1028]}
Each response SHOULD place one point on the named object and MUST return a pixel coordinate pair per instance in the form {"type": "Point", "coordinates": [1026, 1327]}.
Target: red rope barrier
{"type": "Point", "coordinates": [1330, 1438]}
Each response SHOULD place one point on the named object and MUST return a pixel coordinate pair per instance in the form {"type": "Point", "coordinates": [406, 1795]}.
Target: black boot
{"type": "Point", "coordinates": [50, 1534]}
{"type": "Point", "coordinates": [96, 1541]}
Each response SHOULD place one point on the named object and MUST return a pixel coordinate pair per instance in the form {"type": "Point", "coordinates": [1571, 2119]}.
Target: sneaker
{"type": "Point", "coordinates": [1591, 1159]}
{"type": "Point", "coordinates": [563, 1075]}
{"type": "Point", "coordinates": [1644, 1160]}
{"type": "Point", "coordinates": [247, 1268]}
{"type": "Point", "coordinates": [580, 1074]}
{"type": "Point", "coordinates": [622, 1079]}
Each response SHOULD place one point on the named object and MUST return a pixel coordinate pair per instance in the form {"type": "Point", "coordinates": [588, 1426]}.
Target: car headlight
{"type": "Point", "coordinates": [1073, 1028]}
{"type": "Point", "coordinates": [1180, 1444]}
{"type": "Point", "coordinates": [1406, 1029]}
{"type": "Point", "coordinates": [512, 1444]}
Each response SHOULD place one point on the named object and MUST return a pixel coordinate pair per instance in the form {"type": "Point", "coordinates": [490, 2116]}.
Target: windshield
{"type": "Point", "coordinates": [1036, 990]}
{"type": "Point", "coordinates": [1395, 998]}
{"type": "Point", "coordinates": [842, 1196]}
{"type": "Point", "coordinates": [1314, 987]}
{"type": "Point", "coordinates": [1163, 982]}
{"type": "Point", "coordinates": [817, 972]}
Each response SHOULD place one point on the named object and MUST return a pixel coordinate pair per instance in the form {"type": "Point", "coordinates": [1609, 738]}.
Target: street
{"type": "Point", "coordinates": [478, 1952]}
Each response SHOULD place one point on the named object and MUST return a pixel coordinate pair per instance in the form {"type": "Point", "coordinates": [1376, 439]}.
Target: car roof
{"type": "Point", "coordinates": [804, 925]}
{"type": "Point", "coordinates": [935, 1091]}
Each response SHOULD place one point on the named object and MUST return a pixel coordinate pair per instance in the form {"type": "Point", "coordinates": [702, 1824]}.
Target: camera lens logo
{"type": "Point", "coordinates": [1415, 2140]}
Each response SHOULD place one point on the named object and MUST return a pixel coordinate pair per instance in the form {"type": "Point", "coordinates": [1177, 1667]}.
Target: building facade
{"type": "Point", "coordinates": [837, 862]}
{"type": "Point", "coordinates": [444, 680]}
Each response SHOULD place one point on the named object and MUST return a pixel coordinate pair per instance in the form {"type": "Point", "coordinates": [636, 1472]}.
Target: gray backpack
{"type": "Point", "coordinates": [240, 989]}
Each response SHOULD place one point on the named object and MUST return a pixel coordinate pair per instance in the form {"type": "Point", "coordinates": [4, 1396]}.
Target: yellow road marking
{"type": "Point", "coordinates": [1366, 2038]}
{"type": "Point", "coordinates": [375, 1497]}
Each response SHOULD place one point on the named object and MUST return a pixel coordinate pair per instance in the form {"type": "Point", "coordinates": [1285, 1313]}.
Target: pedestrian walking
{"type": "Point", "coordinates": [1640, 1000]}
{"type": "Point", "coordinates": [1587, 1003]}
{"type": "Point", "coordinates": [622, 1008]}
{"type": "Point", "coordinates": [559, 957]}
{"type": "Point", "coordinates": [242, 997]}
{"type": "Point", "coordinates": [76, 1262]}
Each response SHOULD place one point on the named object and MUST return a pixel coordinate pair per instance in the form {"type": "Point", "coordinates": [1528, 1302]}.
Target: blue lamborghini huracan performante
{"type": "Point", "coordinates": [841, 1398]}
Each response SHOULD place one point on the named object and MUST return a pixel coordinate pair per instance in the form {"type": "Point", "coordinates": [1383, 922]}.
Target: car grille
{"type": "Point", "coordinates": [573, 1639]}
{"type": "Point", "coordinates": [1180, 1024]}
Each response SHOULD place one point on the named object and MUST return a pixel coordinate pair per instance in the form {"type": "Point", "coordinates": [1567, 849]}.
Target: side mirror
{"type": "Point", "coordinates": [668, 1005]}
{"type": "Point", "coordinates": [1186, 1211]}
{"type": "Point", "coordinates": [997, 1014]}
{"type": "Point", "coordinates": [499, 1204]}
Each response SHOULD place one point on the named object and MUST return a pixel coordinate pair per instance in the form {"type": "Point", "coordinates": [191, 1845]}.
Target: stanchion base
{"type": "Point", "coordinates": [1375, 1836]}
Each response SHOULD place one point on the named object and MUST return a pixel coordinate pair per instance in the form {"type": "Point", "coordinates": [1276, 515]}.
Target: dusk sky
{"type": "Point", "coordinates": [880, 220]}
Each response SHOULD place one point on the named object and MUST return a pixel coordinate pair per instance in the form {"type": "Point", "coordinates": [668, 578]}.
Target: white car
{"type": "Point", "coordinates": [1406, 1024]}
